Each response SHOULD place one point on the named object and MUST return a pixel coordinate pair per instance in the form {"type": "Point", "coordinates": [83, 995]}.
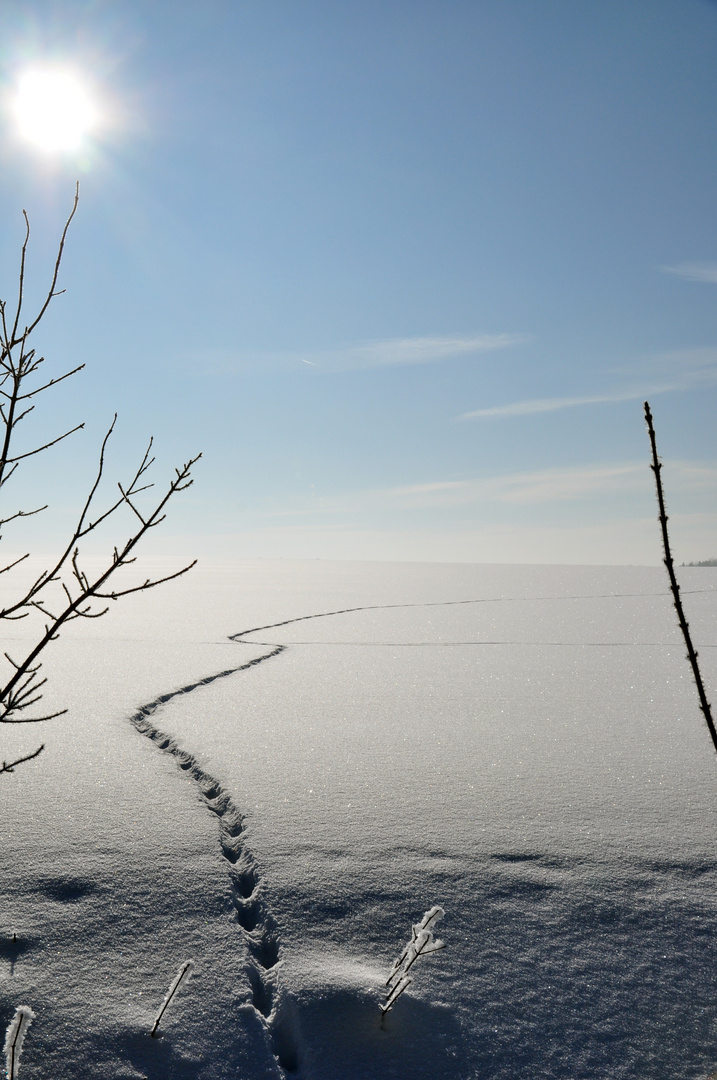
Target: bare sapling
{"type": "Point", "coordinates": [692, 654]}
{"type": "Point", "coordinates": [15, 1037]}
{"type": "Point", "coordinates": [64, 590]}
{"type": "Point", "coordinates": [421, 944]}
{"type": "Point", "coordinates": [179, 979]}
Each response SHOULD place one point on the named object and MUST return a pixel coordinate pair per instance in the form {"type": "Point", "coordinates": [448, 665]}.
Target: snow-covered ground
{"type": "Point", "coordinates": [279, 796]}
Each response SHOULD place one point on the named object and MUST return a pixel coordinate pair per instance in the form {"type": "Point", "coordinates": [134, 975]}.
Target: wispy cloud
{"type": "Point", "coordinates": [436, 500]}
{"type": "Point", "coordinates": [428, 489]}
{"type": "Point", "coordinates": [694, 271]}
{"type": "Point", "coordinates": [551, 485]}
{"type": "Point", "coordinates": [349, 503]}
{"type": "Point", "coordinates": [681, 369]}
{"type": "Point", "coordinates": [685, 366]}
{"type": "Point", "coordinates": [416, 350]}
{"type": "Point", "coordinates": [541, 405]}
{"type": "Point", "coordinates": [395, 352]}
{"type": "Point", "coordinates": [548, 485]}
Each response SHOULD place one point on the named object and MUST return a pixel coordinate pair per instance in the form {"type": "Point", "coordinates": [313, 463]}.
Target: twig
{"type": "Point", "coordinates": [421, 944]}
{"type": "Point", "coordinates": [15, 695]}
{"type": "Point", "coordinates": [181, 977]}
{"type": "Point", "coordinates": [19, 761]}
{"type": "Point", "coordinates": [15, 1037]}
{"type": "Point", "coordinates": [51, 291]}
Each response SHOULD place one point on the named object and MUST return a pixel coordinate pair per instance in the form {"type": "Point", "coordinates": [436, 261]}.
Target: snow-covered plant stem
{"type": "Point", "coordinates": [181, 977]}
{"type": "Point", "coordinates": [422, 942]}
{"type": "Point", "coordinates": [14, 1038]}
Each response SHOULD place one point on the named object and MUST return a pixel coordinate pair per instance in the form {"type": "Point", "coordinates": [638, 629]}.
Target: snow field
{"type": "Point", "coordinates": [533, 760]}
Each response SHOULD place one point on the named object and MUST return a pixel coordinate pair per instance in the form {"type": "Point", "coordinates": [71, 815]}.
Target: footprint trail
{"type": "Point", "coordinates": [256, 924]}
{"type": "Point", "coordinates": [239, 637]}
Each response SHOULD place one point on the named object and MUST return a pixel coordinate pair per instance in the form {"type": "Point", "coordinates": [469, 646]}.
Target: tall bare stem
{"type": "Point", "coordinates": [692, 655]}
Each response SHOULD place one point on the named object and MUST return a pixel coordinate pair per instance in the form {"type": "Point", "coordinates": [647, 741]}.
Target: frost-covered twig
{"type": "Point", "coordinates": [14, 1038]}
{"type": "Point", "coordinates": [422, 942]}
{"type": "Point", "coordinates": [181, 977]}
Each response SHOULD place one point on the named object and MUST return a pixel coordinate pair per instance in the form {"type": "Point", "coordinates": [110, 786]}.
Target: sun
{"type": "Point", "coordinates": [53, 110]}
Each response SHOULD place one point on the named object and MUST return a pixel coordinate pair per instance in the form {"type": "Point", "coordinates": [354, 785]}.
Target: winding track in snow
{"type": "Point", "coordinates": [240, 638]}
{"type": "Point", "coordinates": [259, 929]}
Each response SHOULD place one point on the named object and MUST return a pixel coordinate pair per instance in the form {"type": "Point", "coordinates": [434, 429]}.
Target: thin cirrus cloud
{"type": "Point", "coordinates": [543, 405]}
{"type": "Point", "coordinates": [395, 352]}
{"type": "Point", "coordinates": [528, 489]}
{"type": "Point", "coordinates": [546, 485]}
{"type": "Point", "coordinates": [550, 485]}
{"type": "Point", "coordinates": [684, 368]}
{"type": "Point", "coordinates": [694, 271]}
{"type": "Point", "coordinates": [415, 350]}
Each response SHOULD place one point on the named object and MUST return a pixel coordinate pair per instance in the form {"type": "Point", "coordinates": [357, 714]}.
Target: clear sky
{"type": "Point", "coordinates": [404, 271]}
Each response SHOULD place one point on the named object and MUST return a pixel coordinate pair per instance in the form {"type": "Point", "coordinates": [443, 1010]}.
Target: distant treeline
{"type": "Point", "coordinates": [705, 562]}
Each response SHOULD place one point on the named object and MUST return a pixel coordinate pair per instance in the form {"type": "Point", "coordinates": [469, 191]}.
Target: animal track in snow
{"type": "Point", "coordinates": [241, 637]}
{"type": "Point", "coordinates": [444, 603]}
{"type": "Point", "coordinates": [258, 928]}
{"type": "Point", "coordinates": [256, 924]}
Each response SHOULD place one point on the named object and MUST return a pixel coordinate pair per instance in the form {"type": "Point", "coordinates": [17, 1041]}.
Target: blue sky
{"type": "Point", "coordinates": [403, 271]}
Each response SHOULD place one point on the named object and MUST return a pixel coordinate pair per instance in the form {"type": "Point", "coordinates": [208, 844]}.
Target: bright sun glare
{"type": "Point", "coordinates": [53, 110]}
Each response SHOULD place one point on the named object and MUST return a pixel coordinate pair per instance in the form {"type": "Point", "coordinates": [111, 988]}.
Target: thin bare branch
{"type": "Point", "coordinates": [19, 514]}
{"type": "Point", "coordinates": [21, 288]}
{"type": "Point", "coordinates": [131, 504]}
{"type": "Point", "coordinates": [22, 415]}
{"type": "Point", "coordinates": [30, 453]}
{"type": "Point", "coordinates": [148, 584]}
{"type": "Point", "coordinates": [86, 613]}
{"type": "Point", "coordinates": [56, 271]}
{"type": "Point", "coordinates": [5, 335]}
{"type": "Point", "coordinates": [34, 719]}
{"type": "Point", "coordinates": [12, 565]}
{"type": "Point", "coordinates": [4, 479]}
{"type": "Point", "coordinates": [22, 681]}
{"type": "Point", "coordinates": [51, 575]}
{"type": "Point", "coordinates": [52, 382]}
{"type": "Point", "coordinates": [40, 607]}
{"type": "Point", "coordinates": [19, 761]}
